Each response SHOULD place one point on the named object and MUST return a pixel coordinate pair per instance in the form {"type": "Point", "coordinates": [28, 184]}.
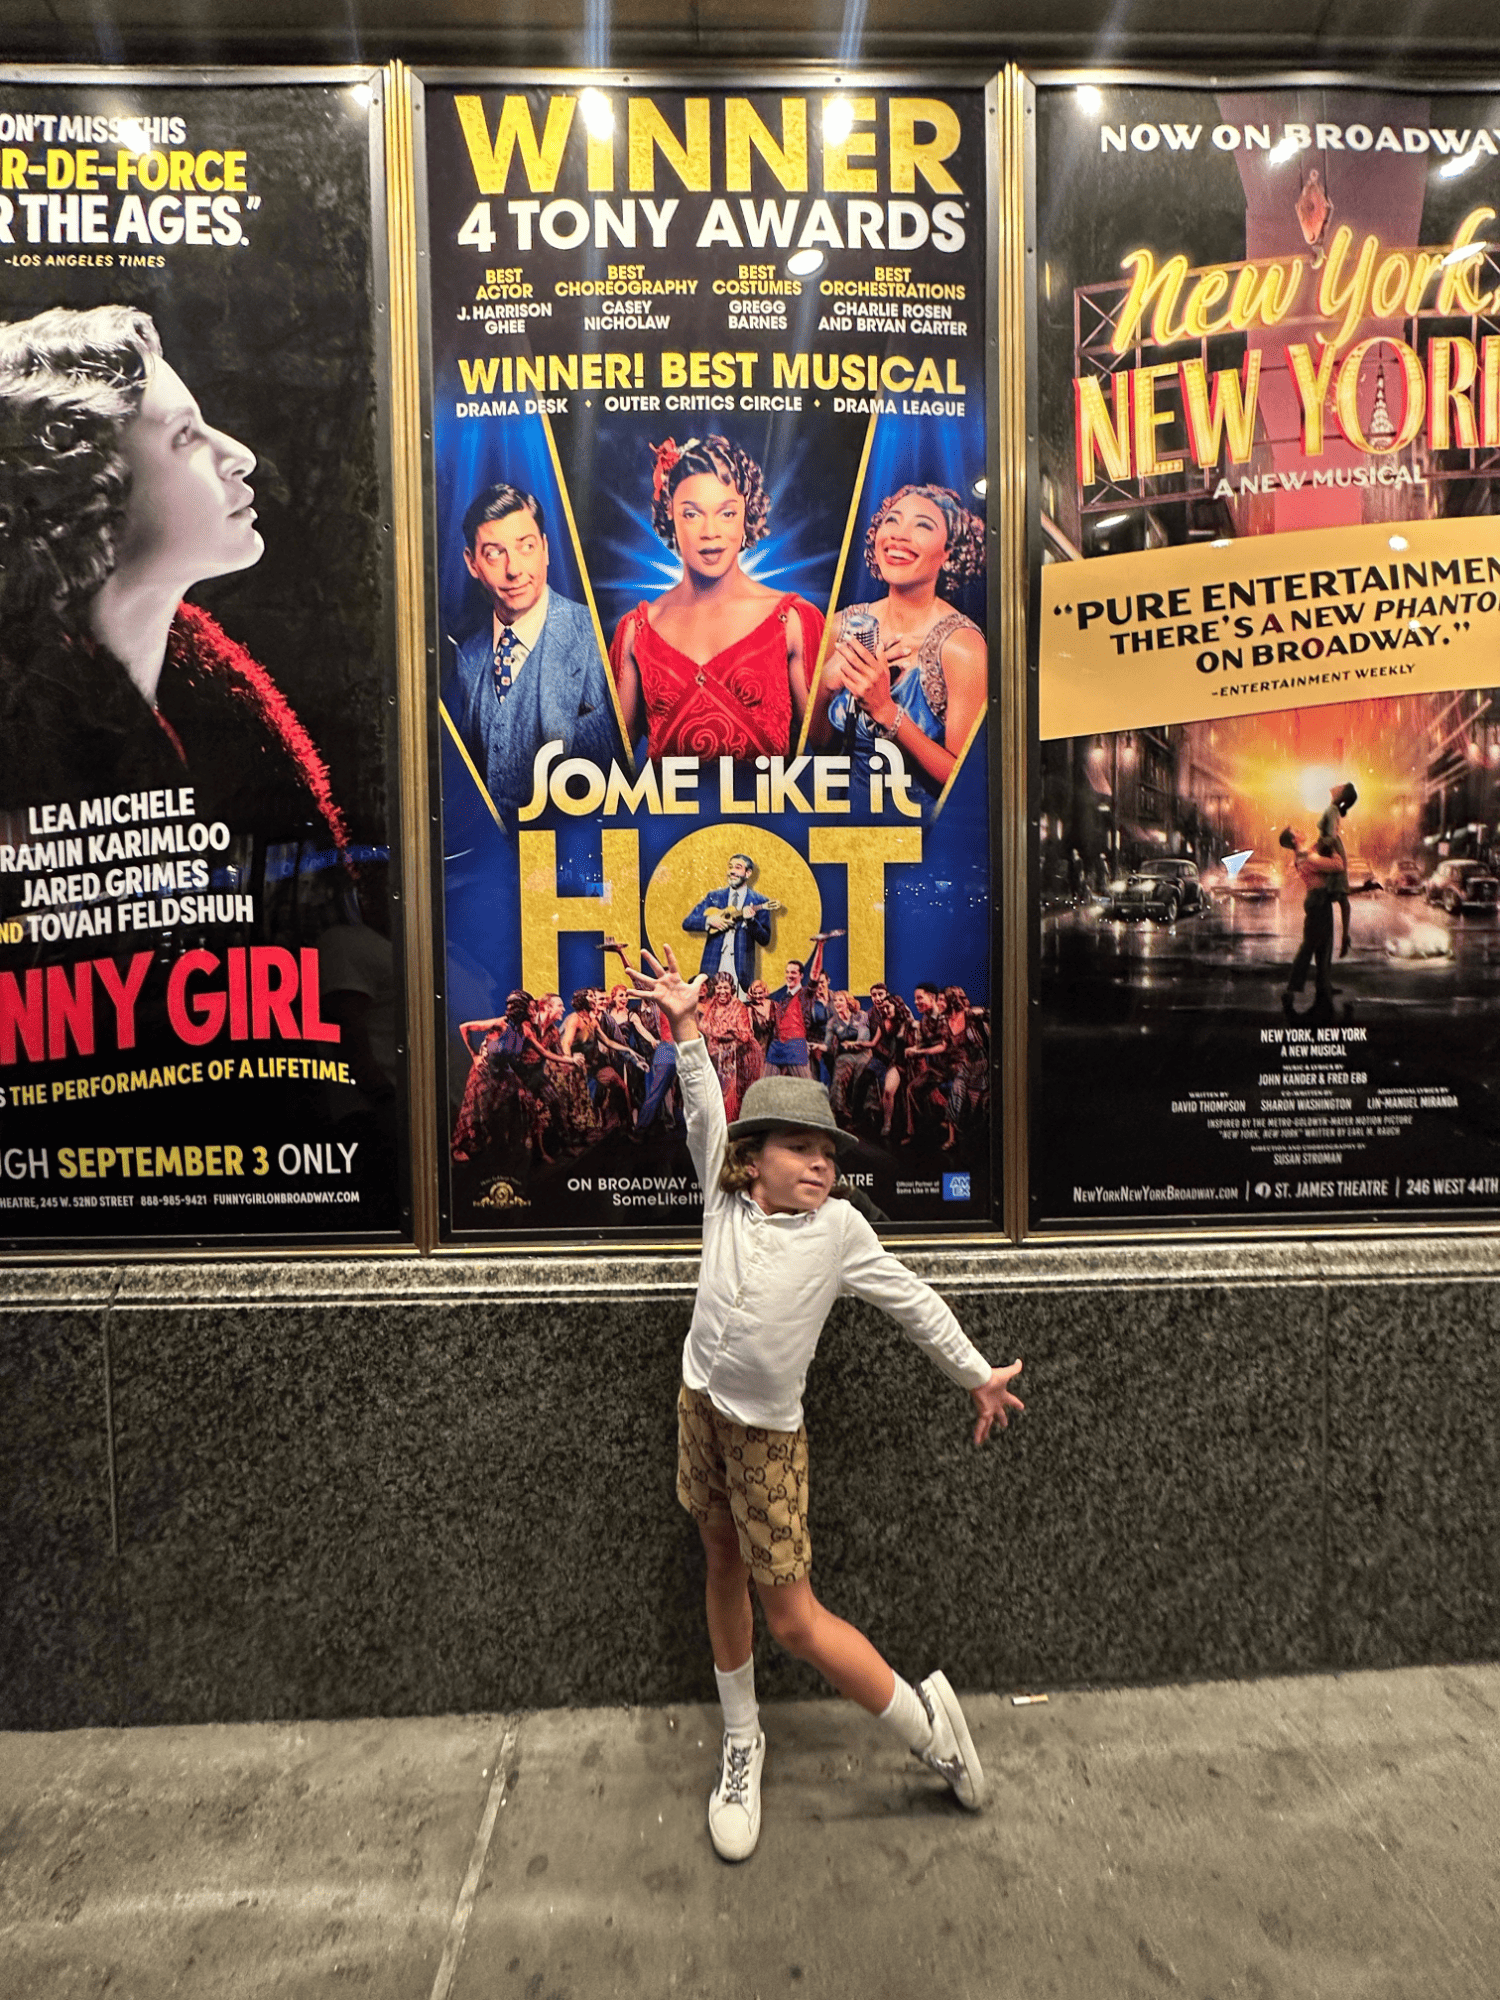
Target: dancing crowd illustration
{"type": "Point", "coordinates": [549, 1082]}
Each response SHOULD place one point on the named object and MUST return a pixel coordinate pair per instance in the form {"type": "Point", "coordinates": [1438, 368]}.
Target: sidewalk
{"type": "Point", "coordinates": [1308, 1839]}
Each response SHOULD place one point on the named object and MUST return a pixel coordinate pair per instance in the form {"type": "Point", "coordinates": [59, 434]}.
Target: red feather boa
{"type": "Point", "coordinates": [197, 641]}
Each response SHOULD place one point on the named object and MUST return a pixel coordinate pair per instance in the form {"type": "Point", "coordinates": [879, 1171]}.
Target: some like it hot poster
{"type": "Point", "coordinates": [708, 587]}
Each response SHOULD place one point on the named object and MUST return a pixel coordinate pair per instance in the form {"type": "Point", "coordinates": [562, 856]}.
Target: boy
{"type": "Point", "coordinates": [776, 1254]}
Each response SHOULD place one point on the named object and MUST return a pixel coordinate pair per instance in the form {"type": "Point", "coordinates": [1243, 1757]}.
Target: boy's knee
{"type": "Point", "coordinates": [791, 1617]}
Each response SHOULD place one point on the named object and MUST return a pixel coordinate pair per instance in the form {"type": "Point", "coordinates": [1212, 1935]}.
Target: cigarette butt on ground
{"type": "Point", "coordinates": [1026, 1700]}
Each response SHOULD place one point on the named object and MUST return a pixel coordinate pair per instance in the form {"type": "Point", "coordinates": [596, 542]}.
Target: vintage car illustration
{"type": "Point", "coordinates": [1464, 888]}
{"type": "Point", "coordinates": [1164, 890]}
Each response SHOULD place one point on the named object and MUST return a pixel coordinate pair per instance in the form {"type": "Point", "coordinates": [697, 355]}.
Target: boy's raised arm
{"type": "Point", "coordinates": [677, 997]}
{"type": "Point", "coordinates": [702, 1097]}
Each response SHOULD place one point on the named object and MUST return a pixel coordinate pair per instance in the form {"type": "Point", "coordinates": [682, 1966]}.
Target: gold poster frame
{"type": "Point", "coordinates": [1006, 392]}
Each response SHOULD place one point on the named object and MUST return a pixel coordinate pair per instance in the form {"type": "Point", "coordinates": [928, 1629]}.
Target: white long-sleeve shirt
{"type": "Point", "coordinates": [768, 1282]}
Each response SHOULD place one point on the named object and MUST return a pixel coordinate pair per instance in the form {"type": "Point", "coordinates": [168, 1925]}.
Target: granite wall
{"type": "Point", "coordinates": [324, 1488]}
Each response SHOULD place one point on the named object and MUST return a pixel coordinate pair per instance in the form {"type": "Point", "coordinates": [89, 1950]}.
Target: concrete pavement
{"type": "Point", "coordinates": [1323, 1838]}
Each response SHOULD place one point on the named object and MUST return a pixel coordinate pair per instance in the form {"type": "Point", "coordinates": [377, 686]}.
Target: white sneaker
{"type": "Point", "coordinates": [734, 1803]}
{"type": "Point", "coordinates": [951, 1751]}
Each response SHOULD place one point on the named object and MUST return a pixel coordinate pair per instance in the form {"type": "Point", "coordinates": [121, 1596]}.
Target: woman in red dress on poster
{"type": "Point", "coordinates": [719, 665]}
{"type": "Point", "coordinates": [730, 1034]}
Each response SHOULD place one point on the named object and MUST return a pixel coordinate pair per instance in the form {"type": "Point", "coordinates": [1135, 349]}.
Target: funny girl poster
{"type": "Point", "coordinates": [1266, 788]}
{"type": "Point", "coordinates": [708, 589]}
{"type": "Point", "coordinates": [198, 999]}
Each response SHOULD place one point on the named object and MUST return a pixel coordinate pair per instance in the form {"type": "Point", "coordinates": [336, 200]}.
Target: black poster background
{"type": "Point", "coordinates": [1170, 1087]}
{"type": "Point", "coordinates": [271, 321]}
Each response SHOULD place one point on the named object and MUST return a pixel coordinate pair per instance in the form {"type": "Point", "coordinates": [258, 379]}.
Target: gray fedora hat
{"type": "Point", "coordinates": [783, 1103]}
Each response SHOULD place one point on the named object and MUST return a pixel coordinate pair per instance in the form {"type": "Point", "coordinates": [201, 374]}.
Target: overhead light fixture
{"type": "Point", "coordinates": [838, 120]}
{"type": "Point", "coordinates": [598, 113]}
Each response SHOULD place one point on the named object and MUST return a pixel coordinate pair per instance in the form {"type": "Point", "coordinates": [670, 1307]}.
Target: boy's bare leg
{"type": "Point", "coordinates": [731, 1621]}
{"type": "Point", "coordinates": [1344, 913]}
{"type": "Point", "coordinates": [927, 1719]}
{"type": "Point", "coordinates": [841, 1653]}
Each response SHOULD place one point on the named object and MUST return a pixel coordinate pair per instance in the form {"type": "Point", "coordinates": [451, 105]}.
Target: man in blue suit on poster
{"type": "Point", "coordinates": [533, 673]}
{"type": "Point", "coordinates": [737, 916]}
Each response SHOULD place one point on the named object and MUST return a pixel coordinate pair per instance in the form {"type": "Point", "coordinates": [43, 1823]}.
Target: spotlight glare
{"type": "Point", "coordinates": [598, 114]}
{"type": "Point", "coordinates": [1397, 542]}
{"type": "Point", "coordinates": [1462, 253]}
{"type": "Point", "coordinates": [838, 120]}
{"type": "Point", "coordinates": [803, 263]}
{"type": "Point", "coordinates": [981, 487]}
{"type": "Point", "coordinates": [1090, 98]}
{"type": "Point", "coordinates": [1451, 169]}
{"type": "Point", "coordinates": [362, 94]}
{"type": "Point", "coordinates": [1281, 152]}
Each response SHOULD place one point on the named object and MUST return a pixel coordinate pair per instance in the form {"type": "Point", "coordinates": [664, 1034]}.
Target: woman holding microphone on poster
{"type": "Point", "coordinates": [719, 665]}
{"type": "Point", "coordinates": [909, 668]}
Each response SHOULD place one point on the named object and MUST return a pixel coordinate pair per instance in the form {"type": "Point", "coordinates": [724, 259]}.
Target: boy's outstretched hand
{"type": "Point", "coordinates": [677, 997]}
{"type": "Point", "coordinates": [993, 1398]}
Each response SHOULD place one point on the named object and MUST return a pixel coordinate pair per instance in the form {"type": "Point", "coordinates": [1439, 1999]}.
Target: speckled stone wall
{"type": "Point", "coordinates": [401, 1487]}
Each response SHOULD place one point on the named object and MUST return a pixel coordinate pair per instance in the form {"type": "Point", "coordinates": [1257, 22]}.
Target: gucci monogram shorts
{"type": "Point", "coordinates": [757, 1476]}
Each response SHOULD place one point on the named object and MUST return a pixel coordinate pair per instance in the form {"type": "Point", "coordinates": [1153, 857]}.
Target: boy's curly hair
{"type": "Point", "coordinates": [965, 557]}
{"type": "Point", "coordinates": [734, 1171]}
{"type": "Point", "coordinates": [69, 384]}
{"type": "Point", "coordinates": [672, 463]}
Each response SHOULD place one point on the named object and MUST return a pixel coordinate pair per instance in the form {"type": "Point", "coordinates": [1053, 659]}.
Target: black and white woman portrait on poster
{"type": "Point", "coordinates": [117, 495]}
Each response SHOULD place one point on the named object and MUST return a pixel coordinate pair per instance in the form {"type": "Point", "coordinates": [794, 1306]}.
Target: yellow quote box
{"type": "Point", "coordinates": [1268, 622]}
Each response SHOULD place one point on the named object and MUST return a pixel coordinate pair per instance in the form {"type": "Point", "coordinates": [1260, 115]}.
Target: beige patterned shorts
{"type": "Point", "coordinates": [757, 1476]}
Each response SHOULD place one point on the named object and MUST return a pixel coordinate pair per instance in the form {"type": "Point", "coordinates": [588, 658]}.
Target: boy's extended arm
{"type": "Point", "coordinates": [675, 996]}
{"type": "Point", "coordinates": [993, 1400]}
{"type": "Point", "coordinates": [702, 1097]}
{"type": "Point", "coordinates": [703, 1108]}
{"type": "Point", "coordinates": [871, 1273]}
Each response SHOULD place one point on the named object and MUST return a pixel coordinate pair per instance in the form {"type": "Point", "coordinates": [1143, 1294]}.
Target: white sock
{"type": "Point", "coordinates": [907, 1717]}
{"type": "Point", "coordinates": [737, 1694]}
